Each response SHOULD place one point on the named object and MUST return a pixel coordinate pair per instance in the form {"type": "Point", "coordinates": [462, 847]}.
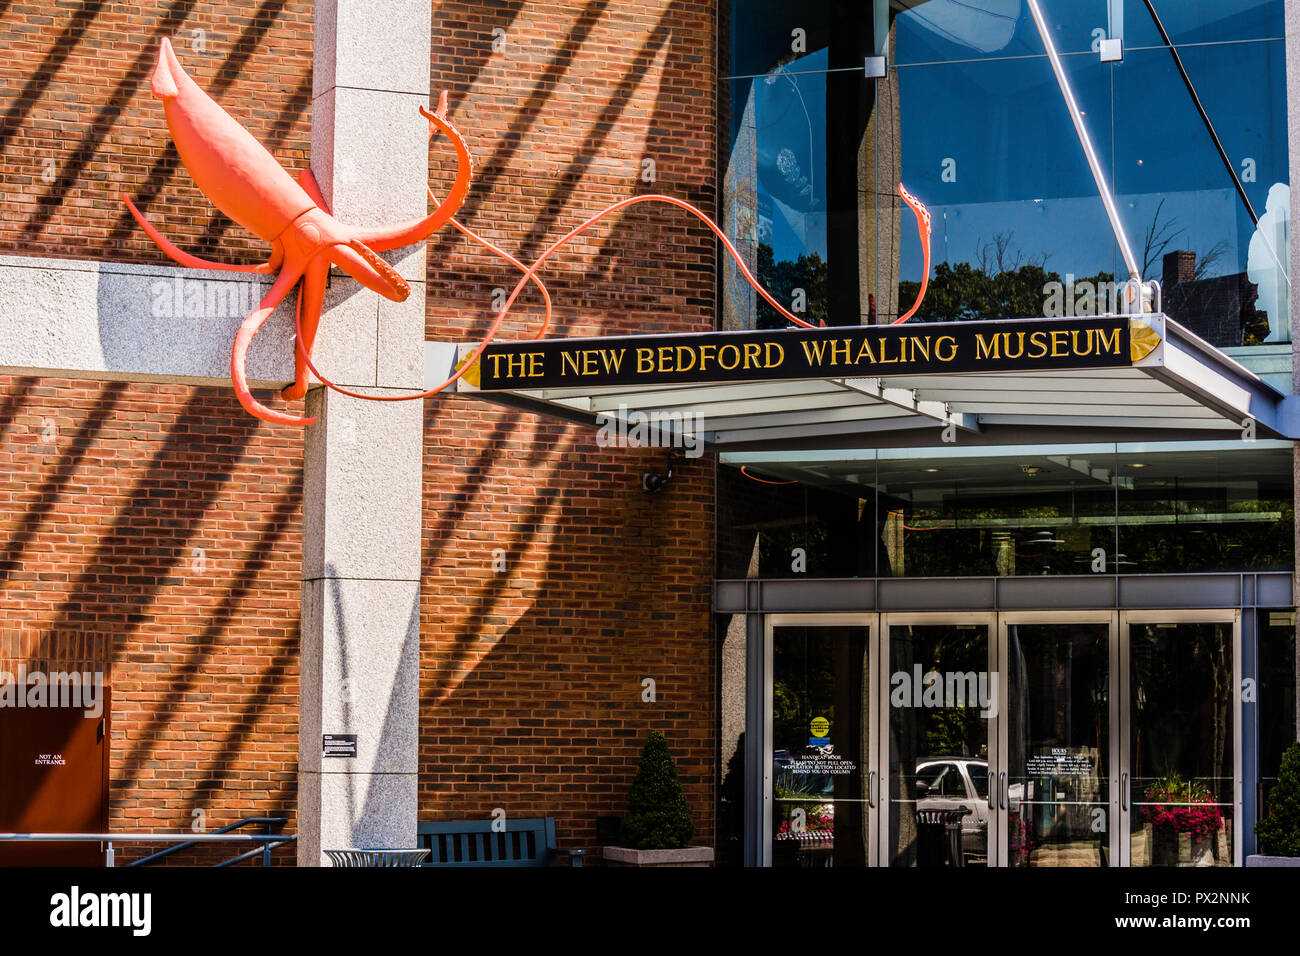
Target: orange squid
{"type": "Point", "coordinates": [246, 183]}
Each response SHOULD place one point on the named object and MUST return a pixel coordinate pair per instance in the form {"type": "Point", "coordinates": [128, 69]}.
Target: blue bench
{"type": "Point", "coordinates": [475, 843]}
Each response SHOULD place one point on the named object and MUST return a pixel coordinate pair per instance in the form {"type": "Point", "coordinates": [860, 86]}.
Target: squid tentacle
{"type": "Point", "coordinates": [497, 250]}
{"type": "Point", "coordinates": [178, 254]}
{"type": "Point", "coordinates": [764, 481]}
{"type": "Point", "coordinates": [284, 283]}
{"type": "Point", "coordinates": [531, 271]}
{"type": "Point", "coordinates": [416, 230]}
{"type": "Point", "coordinates": [311, 295]}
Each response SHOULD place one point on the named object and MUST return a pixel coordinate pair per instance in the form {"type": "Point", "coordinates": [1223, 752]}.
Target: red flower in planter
{"type": "Point", "coordinates": [1182, 806]}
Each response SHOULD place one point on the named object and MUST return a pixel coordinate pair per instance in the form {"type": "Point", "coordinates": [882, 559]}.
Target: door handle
{"type": "Point", "coordinates": [871, 789]}
{"type": "Point", "coordinates": [992, 797]}
{"type": "Point", "coordinates": [1123, 792]}
{"type": "Point", "coordinates": [1006, 789]}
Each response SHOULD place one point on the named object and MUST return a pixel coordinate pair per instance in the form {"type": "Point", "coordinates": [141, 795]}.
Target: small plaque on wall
{"type": "Point", "coordinates": [339, 745]}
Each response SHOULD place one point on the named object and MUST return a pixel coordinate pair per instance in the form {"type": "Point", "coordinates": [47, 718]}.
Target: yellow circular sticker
{"type": "Point", "coordinates": [820, 727]}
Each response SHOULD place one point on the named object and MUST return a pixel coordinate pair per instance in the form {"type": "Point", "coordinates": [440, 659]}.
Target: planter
{"type": "Point", "coordinates": [1203, 848]}
{"type": "Point", "coordinates": [685, 856]}
{"type": "Point", "coordinates": [1178, 808]}
{"type": "Point", "coordinates": [1164, 846]}
{"type": "Point", "coordinates": [1255, 859]}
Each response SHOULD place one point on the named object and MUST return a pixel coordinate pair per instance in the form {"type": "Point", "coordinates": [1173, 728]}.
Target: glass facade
{"type": "Point", "coordinates": [969, 117]}
{"type": "Point", "coordinates": [1079, 509]}
{"type": "Point", "coordinates": [1118, 738]}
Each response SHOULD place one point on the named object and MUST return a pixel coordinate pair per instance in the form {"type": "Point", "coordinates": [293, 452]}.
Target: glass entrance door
{"type": "Point", "coordinates": [1056, 800]}
{"type": "Point", "coordinates": [1029, 739]}
{"type": "Point", "coordinates": [940, 694]}
{"type": "Point", "coordinates": [1180, 779]}
{"type": "Point", "coordinates": [822, 787]}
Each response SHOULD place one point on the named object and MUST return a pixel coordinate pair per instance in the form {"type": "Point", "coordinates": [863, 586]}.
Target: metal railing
{"type": "Point", "coordinates": [262, 843]}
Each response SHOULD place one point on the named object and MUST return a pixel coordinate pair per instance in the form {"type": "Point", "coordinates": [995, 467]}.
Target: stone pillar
{"type": "Point", "coordinates": [880, 209]}
{"type": "Point", "coordinates": [362, 490]}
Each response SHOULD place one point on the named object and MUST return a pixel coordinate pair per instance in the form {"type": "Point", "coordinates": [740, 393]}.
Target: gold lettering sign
{"type": "Point", "coordinates": [790, 354]}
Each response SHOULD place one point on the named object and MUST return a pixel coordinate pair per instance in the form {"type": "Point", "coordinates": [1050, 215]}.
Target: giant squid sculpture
{"type": "Point", "coordinates": [242, 179]}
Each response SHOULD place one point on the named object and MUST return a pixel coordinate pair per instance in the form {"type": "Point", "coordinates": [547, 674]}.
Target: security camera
{"type": "Point", "coordinates": [650, 481]}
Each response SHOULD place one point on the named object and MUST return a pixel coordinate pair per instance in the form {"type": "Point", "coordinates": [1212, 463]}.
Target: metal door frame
{"type": "Point", "coordinates": [870, 621]}
{"type": "Point", "coordinates": [763, 617]}
{"type": "Point", "coordinates": [888, 620]}
{"type": "Point", "coordinates": [1208, 616]}
{"type": "Point", "coordinates": [1111, 619]}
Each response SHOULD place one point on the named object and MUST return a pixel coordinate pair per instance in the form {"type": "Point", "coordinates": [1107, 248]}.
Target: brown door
{"type": "Point", "coordinates": [53, 779]}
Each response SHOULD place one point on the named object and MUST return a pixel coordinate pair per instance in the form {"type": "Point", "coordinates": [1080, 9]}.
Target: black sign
{"type": "Point", "coordinates": [339, 745]}
{"type": "Point", "coordinates": [921, 348]}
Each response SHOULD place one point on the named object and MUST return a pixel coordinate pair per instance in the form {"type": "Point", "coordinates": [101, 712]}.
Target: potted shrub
{"type": "Point", "coordinates": [658, 825]}
{"type": "Point", "coordinates": [1176, 806]}
{"type": "Point", "coordinates": [1279, 826]}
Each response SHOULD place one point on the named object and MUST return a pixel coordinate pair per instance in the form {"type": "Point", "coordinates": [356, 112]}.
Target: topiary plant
{"type": "Point", "coordinates": [1279, 831]}
{"type": "Point", "coordinates": [658, 817]}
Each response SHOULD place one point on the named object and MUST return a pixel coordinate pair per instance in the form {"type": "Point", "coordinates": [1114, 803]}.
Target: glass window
{"type": "Point", "coordinates": [771, 527]}
{"type": "Point", "coordinates": [946, 780]}
{"type": "Point", "coordinates": [1181, 748]}
{"type": "Point", "coordinates": [970, 118]}
{"type": "Point", "coordinates": [1221, 276]}
{"type": "Point", "coordinates": [1277, 693]}
{"type": "Point", "coordinates": [1219, 508]}
{"type": "Point", "coordinates": [929, 775]}
{"type": "Point", "coordinates": [1007, 514]}
{"type": "Point", "coordinates": [1132, 508]}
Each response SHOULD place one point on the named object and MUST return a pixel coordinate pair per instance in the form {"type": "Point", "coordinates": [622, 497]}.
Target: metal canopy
{"type": "Point", "coordinates": [1183, 387]}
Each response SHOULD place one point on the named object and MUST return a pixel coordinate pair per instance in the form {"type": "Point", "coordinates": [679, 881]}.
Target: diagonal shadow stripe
{"type": "Point", "coordinates": [587, 155]}
{"type": "Point", "coordinates": [40, 79]}
{"type": "Point", "coordinates": [531, 109]}
{"type": "Point", "coordinates": [614, 107]}
{"type": "Point", "coordinates": [477, 481]}
{"type": "Point", "coordinates": [54, 196]}
{"type": "Point", "coordinates": [569, 181]}
{"type": "Point", "coordinates": [51, 490]}
{"type": "Point", "coordinates": [467, 61]}
{"type": "Point", "coordinates": [176, 517]}
{"type": "Point", "coordinates": [393, 716]}
{"type": "Point", "coordinates": [16, 400]}
{"type": "Point", "coordinates": [256, 560]}
{"type": "Point", "coordinates": [126, 88]}
{"type": "Point", "coordinates": [533, 521]}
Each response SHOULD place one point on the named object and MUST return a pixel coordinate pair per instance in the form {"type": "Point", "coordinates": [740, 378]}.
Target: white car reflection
{"type": "Point", "coordinates": [946, 783]}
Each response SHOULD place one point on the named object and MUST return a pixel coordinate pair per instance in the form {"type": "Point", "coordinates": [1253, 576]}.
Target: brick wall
{"type": "Point", "coordinates": [154, 526]}
{"type": "Point", "coordinates": [156, 520]}
{"type": "Point", "coordinates": [80, 124]}
{"type": "Point", "coordinates": [532, 679]}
